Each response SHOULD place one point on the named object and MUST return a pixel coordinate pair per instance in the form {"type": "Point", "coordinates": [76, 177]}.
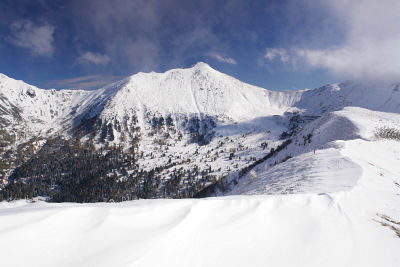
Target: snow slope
{"type": "Point", "coordinates": [325, 171]}
{"type": "Point", "coordinates": [318, 164]}
{"type": "Point", "coordinates": [346, 228]}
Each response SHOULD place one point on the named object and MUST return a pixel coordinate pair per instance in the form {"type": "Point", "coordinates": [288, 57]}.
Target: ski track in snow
{"type": "Point", "coordinates": [324, 172]}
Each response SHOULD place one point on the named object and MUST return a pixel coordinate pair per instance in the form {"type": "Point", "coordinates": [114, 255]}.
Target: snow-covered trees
{"type": "Point", "coordinates": [388, 133]}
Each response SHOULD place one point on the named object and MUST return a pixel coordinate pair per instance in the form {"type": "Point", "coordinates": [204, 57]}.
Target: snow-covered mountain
{"type": "Point", "coordinates": [199, 90]}
{"type": "Point", "coordinates": [194, 125]}
{"type": "Point", "coordinates": [319, 168]}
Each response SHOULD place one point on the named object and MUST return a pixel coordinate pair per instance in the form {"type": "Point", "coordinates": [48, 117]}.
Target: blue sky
{"type": "Point", "coordinates": [278, 44]}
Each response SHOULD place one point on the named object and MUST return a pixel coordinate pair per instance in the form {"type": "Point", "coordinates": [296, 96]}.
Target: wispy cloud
{"type": "Point", "coordinates": [93, 58]}
{"type": "Point", "coordinates": [222, 59]}
{"type": "Point", "coordinates": [84, 82]}
{"type": "Point", "coordinates": [38, 38]}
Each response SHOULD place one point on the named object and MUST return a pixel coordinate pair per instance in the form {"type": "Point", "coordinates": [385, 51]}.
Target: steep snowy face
{"type": "Point", "coordinates": [198, 90]}
{"type": "Point", "coordinates": [377, 96]}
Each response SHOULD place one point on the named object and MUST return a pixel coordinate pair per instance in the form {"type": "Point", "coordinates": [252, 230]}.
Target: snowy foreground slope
{"type": "Point", "coordinates": [343, 210]}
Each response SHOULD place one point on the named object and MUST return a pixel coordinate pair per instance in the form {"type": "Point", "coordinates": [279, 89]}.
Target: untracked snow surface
{"type": "Point", "coordinates": [358, 226]}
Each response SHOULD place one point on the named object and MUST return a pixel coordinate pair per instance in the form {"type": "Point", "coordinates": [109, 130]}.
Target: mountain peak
{"type": "Point", "coordinates": [201, 65]}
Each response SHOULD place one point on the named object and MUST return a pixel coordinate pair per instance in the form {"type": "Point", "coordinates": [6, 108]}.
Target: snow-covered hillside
{"type": "Point", "coordinates": [355, 226]}
{"type": "Point", "coordinates": [315, 161]}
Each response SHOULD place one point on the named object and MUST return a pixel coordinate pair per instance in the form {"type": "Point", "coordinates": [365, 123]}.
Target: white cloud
{"type": "Point", "coordinates": [272, 54]}
{"type": "Point", "coordinates": [368, 48]}
{"type": "Point", "coordinates": [93, 58]}
{"type": "Point", "coordinates": [362, 61]}
{"type": "Point", "coordinates": [371, 44]}
{"type": "Point", "coordinates": [224, 59]}
{"type": "Point", "coordinates": [38, 38]}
